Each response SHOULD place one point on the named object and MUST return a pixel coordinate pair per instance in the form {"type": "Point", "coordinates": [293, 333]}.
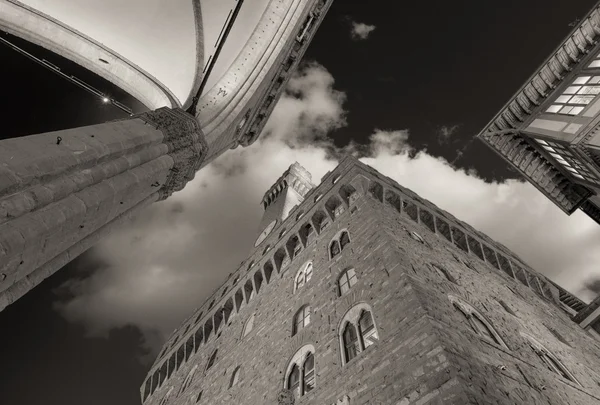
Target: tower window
{"type": "Point", "coordinates": [346, 281]}
{"type": "Point", "coordinates": [344, 240]}
{"type": "Point", "coordinates": [300, 374]}
{"type": "Point", "coordinates": [368, 333]}
{"type": "Point", "coordinates": [301, 319]}
{"type": "Point", "coordinates": [338, 244]}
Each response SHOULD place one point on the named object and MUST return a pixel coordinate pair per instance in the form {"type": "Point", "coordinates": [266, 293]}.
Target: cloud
{"type": "Point", "coordinates": [156, 270]}
{"type": "Point", "coordinates": [445, 132]}
{"type": "Point", "coordinates": [361, 31]}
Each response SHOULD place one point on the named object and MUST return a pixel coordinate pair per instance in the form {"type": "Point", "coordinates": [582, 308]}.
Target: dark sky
{"type": "Point", "coordinates": [428, 64]}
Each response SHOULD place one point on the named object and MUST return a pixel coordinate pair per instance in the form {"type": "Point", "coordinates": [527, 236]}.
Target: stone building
{"type": "Point", "coordinates": [549, 130]}
{"type": "Point", "coordinates": [358, 291]}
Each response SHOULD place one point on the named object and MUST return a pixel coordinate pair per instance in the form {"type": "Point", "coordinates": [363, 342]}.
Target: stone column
{"type": "Point", "coordinates": [61, 192]}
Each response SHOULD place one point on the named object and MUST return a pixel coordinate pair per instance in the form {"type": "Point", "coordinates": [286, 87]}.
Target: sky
{"type": "Point", "coordinates": [404, 89]}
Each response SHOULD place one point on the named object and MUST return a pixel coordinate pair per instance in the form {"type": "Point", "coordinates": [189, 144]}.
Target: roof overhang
{"type": "Point", "coordinates": [504, 133]}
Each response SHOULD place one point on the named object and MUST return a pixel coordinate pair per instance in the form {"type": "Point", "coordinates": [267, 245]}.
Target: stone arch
{"type": "Point", "coordinates": [334, 206]}
{"type": "Point", "coordinates": [348, 193]}
{"type": "Point", "coordinates": [293, 246]}
{"type": "Point", "coordinates": [393, 200]}
{"type": "Point", "coordinates": [469, 311]}
{"type": "Point", "coordinates": [298, 357]}
{"type": "Point", "coordinates": [258, 280]}
{"type": "Point", "coordinates": [376, 190]}
{"type": "Point", "coordinates": [550, 360]}
{"type": "Point", "coordinates": [268, 269]}
{"type": "Point", "coordinates": [320, 221]}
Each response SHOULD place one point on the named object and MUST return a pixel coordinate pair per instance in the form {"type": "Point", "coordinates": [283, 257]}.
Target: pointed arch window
{"type": "Point", "coordinates": [249, 325]}
{"type": "Point", "coordinates": [301, 319]}
{"type": "Point", "coordinates": [346, 281]}
{"type": "Point", "coordinates": [211, 360]}
{"type": "Point", "coordinates": [188, 379]}
{"type": "Point", "coordinates": [308, 372]}
{"type": "Point", "coordinates": [351, 343]}
{"type": "Point", "coordinates": [344, 240]}
{"type": "Point", "coordinates": [357, 332]}
{"type": "Point", "coordinates": [478, 322]}
{"type": "Point", "coordinates": [303, 276]}
{"type": "Point", "coordinates": [367, 329]}
{"type": "Point", "coordinates": [234, 377]}
{"type": "Point", "coordinates": [549, 359]}
{"type": "Point", "coordinates": [294, 381]}
{"type": "Point", "coordinates": [334, 249]}
{"type": "Point", "coordinates": [300, 374]}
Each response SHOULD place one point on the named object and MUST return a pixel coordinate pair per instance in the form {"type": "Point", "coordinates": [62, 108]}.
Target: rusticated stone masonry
{"type": "Point", "coordinates": [61, 192]}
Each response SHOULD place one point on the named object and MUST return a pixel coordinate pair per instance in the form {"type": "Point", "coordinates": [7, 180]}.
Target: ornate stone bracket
{"type": "Point", "coordinates": [285, 397]}
{"type": "Point", "coordinates": [186, 142]}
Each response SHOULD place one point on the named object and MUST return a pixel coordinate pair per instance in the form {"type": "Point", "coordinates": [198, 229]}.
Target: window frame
{"type": "Point", "coordinates": [550, 361]}
{"type": "Point", "coordinates": [353, 316]}
{"type": "Point", "coordinates": [469, 312]}
{"type": "Point", "coordinates": [298, 361]}
{"type": "Point", "coordinates": [305, 310]}
{"type": "Point", "coordinates": [344, 276]}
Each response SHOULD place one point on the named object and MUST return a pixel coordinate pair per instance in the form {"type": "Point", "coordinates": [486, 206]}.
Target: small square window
{"type": "Point", "coordinates": [572, 90]}
{"type": "Point", "coordinates": [563, 99]}
{"type": "Point", "coordinates": [576, 110]}
{"type": "Point", "coordinates": [589, 90]}
{"type": "Point", "coordinates": [566, 110]}
{"type": "Point", "coordinates": [554, 108]}
{"type": "Point", "coordinates": [581, 99]}
{"type": "Point", "coordinates": [594, 64]}
{"type": "Point", "coordinates": [581, 80]}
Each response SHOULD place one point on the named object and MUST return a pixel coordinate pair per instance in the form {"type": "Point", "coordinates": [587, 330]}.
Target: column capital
{"type": "Point", "coordinates": [186, 142]}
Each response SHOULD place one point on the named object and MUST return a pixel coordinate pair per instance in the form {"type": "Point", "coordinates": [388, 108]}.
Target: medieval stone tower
{"type": "Point", "coordinates": [360, 292]}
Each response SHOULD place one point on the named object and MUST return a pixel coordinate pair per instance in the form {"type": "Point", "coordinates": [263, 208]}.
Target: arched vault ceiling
{"type": "Point", "coordinates": [159, 36]}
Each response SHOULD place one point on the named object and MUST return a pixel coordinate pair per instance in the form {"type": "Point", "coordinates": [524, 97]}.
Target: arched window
{"type": "Point", "coordinates": [334, 249]}
{"type": "Point", "coordinates": [549, 360]}
{"type": "Point", "coordinates": [211, 360]}
{"type": "Point", "coordinates": [344, 240]}
{"type": "Point", "coordinates": [308, 373]}
{"type": "Point", "coordinates": [166, 397]}
{"type": "Point", "coordinates": [477, 322]}
{"type": "Point", "coordinates": [346, 281]}
{"type": "Point", "coordinates": [294, 381]}
{"type": "Point", "coordinates": [249, 325]}
{"type": "Point", "coordinates": [368, 333]}
{"type": "Point", "coordinates": [351, 344]}
{"type": "Point", "coordinates": [188, 379]}
{"type": "Point", "coordinates": [357, 332]}
{"type": "Point", "coordinates": [234, 377]}
{"type": "Point", "coordinates": [300, 374]}
{"type": "Point", "coordinates": [303, 276]}
{"type": "Point", "coordinates": [302, 319]}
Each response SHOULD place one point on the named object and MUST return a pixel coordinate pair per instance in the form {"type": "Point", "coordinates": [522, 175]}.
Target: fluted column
{"type": "Point", "coordinates": [61, 192]}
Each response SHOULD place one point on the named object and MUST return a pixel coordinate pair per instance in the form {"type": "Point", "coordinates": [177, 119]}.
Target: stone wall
{"type": "Point", "coordinates": [426, 353]}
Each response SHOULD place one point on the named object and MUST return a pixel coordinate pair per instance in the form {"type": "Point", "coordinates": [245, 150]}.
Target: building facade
{"type": "Point", "coordinates": [550, 129]}
{"type": "Point", "coordinates": [61, 192]}
{"type": "Point", "coordinates": [360, 292]}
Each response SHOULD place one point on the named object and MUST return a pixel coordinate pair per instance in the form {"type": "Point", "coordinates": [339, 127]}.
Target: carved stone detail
{"type": "Point", "coordinates": [285, 397]}
{"type": "Point", "coordinates": [186, 142]}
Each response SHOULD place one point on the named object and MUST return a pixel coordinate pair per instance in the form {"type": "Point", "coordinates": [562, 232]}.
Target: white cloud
{"type": "Point", "coordinates": [445, 132]}
{"type": "Point", "coordinates": [177, 252]}
{"type": "Point", "coordinates": [361, 31]}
